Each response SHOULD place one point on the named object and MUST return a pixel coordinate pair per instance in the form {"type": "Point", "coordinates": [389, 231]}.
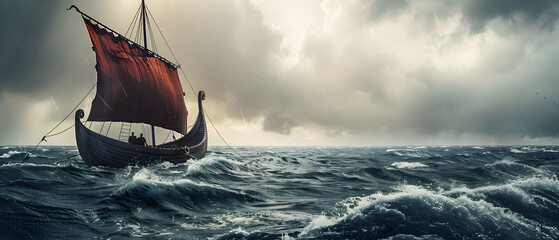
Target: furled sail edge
{"type": "Point", "coordinates": [108, 29]}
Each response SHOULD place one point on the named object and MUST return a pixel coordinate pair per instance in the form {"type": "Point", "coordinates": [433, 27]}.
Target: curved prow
{"type": "Point", "coordinates": [198, 132]}
{"type": "Point", "coordinates": [196, 140]}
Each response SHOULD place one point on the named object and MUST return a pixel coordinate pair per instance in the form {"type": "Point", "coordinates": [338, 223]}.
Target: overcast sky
{"type": "Point", "coordinates": [313, 72]}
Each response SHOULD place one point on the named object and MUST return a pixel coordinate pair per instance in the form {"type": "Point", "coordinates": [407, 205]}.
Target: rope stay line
{"type": "Point", "coordinates": [109, 128]}
{"type": "Point", "coordinates": [164, 39]}
{"type": "Point", "coordinates": [102, 126]}
{"type": "Point", "coordinates": [54, 134]}
{"type": "Point", "coordinates": [132, 23]}
{"type": "Point", "coordinates": [151, 35]}
{"type": "Point", "coordinates": [190, 84]}
{"type": "Point", "coordinates": [168, 134]}
{"type": "Point", "coordinates": [28, 155]}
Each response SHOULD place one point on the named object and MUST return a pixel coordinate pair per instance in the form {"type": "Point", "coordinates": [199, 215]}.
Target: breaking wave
{"type": "Point", "coordinates": [150, 190]}
{"type": "Point", "coordinates": [522, 209]}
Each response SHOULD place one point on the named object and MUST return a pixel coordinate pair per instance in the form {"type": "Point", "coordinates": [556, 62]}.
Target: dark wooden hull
{"type": "Point", "coordinates": [98, 150]}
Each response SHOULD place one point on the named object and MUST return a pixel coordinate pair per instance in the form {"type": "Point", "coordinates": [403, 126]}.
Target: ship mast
{"type": "Point", "coordinates": [146, 48]}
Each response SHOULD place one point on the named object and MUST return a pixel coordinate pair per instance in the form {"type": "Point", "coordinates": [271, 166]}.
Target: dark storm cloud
{"type": "Point", "coordinates": [476, 13]}
{"type": "Point", "coordinates": [518, 107]}
{"type": "Point", "coordinates": [540, 12]}
{"type": "Point", "coordinates": [26, 63]}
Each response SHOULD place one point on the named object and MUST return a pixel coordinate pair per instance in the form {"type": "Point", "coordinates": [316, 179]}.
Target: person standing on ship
{"type": "Point", "coordinates": [141, 140]}
{"type": "Point", "coordinates": [132, 139]}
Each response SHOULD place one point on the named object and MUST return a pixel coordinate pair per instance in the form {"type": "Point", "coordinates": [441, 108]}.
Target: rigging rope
{"type": "Point", "coordinates": [132, 23]}
{"type": "Point", "coordinates": [109, 128]}
{"type": "Point", "coordinates": [151, 36]}
{"type": "Point", "coordinates": [102, 126]}
{"type": "Point", "coordinates": [27, 156]}
{"type": "Point", "coordinates": [165, 40]}
{"type": "Point", "coordinates": [138, 31]}
{"type": "Point", "coordinates": [190, 84]}
{"type": "Point", "coordinates": [168, 134]}
{"type": "Point", "coordinates": [54, 134]}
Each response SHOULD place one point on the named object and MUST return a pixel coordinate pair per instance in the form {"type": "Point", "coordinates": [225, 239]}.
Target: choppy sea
{"type": "Point", "coordinates": [433, 192]}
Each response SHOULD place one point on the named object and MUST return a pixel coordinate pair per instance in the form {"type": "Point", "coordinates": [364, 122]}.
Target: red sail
{"type": "Point", "coordinates": [133, 86]}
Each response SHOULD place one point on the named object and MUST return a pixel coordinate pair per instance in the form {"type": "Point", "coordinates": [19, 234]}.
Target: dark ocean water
{"type": "Point", "coordinates": [287, 193]}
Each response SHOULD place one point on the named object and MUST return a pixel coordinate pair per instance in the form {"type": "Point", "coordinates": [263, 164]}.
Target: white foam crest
{"type": "Point", "coordinates": [320, 222]}
{"type": "Point", "coordinates": [10, 154]}
{"type": "Point", "coordinates": [166, 165]}
{"type": "Point", "coordinates": [406, 152]}
{"type": "Point", "coordinates": [514, 150]}
{"type": "Point", "coordinates": [354, 206]}
{"type": "Point", "coordinates": [236, 219]}
{"type": "Point", "coordinates": [519, 187]}
{"type": "Point", "coordinates": [146, 176]}
{"type": "Point", "coordinates": [532, 150]}
{"type": "Point", "coordinates": [509, 189]}
{"type": "Point", "coordinates": [285, 236]}
{"type": "Point", "coordinates": [137, 230]}
{"type": "Point", "coordinates": [12, 164]}
{"type": "Point", "coordinates": [242, 220]}
{"type": "Point", "coordinates": [395, 151]}
{"type": "Point", "coordinates": [239, 230]}
{"type": "Point", "coordinates": [507, 161]}
{"type": "Point", "coordinates": [409, 165]}
{"type": "Point", "coordinates": [289, 215]}
{"type": "Point", "coordinates": [439, 202]}
{"type": "Point", "coordinates": [196, 167]}
{"type": "Point", "coordinates": [204, 226]}
{"type": "Point", "coordinates": [142, 231]}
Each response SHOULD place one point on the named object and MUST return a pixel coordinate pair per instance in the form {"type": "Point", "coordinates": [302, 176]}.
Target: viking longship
{"type": "Point", "coordinates": [136, 85]}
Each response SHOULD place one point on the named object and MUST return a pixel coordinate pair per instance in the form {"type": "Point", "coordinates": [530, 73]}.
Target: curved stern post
{"type": "Point", "coordinates": [198, 135]}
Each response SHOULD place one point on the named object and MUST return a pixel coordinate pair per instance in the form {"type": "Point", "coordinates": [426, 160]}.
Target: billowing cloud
{"type": "Point", "coordinates": [416, 68]}
{"type": "Point", "coordinates": [318, 72]}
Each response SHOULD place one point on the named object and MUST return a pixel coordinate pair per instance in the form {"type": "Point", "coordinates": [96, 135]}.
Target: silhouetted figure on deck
{"type": "Point", "coordinates": [141, 140]}
{"type": "Point", "coordinates": [132, 139]}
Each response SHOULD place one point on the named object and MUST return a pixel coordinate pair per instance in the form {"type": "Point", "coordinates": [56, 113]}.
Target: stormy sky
{"type": "Point", "coordinates": [313, 72]}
